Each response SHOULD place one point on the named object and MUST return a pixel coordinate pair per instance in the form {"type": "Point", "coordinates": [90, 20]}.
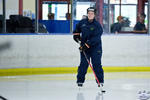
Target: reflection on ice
{"type": "Point", "coordinates": [80, 96]}
{"type": "Point", "coordinates": [99, 96]}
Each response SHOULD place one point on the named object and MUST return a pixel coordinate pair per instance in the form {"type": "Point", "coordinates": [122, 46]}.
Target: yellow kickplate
{"type": "Point", "coordinates": [66, 70]}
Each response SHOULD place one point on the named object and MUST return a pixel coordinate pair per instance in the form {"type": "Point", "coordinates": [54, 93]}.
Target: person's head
{"type": "Point", "coordinates": [142, 17]}
{"type": "Point", "coordinates": [84, 17]}
{"type": "Point", "coordinates": [91, 11]}
{"type": "Point", "coordinates": [120, 19]}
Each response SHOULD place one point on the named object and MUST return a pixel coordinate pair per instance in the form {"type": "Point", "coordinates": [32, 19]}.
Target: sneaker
{"type": "Point", "coordinates": [80, 84]}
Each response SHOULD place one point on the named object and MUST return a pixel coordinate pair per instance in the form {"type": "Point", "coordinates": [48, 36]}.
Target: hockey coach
{"type": "Point", "coordinates": [88, 32]}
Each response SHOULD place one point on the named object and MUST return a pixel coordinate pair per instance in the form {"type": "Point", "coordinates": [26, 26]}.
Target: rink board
{"type": "Point", "coordinates": [34, 54]}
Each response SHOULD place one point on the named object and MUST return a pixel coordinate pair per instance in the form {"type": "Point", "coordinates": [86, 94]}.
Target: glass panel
{"type": "Point", "coordinates": [106, 17]}
{"type": "Point", "coordinates": [126, 20]}
{"type": "Point", "coordinates": [146, 13]}
{"type": "Point", "coordinates": [1, 16]}
{"type": "Point", "coordinates": [29, 8]}
{"type": "Point", "coordinates": [56, 17]}
{"type": "Point", "coordinates": [127, 11]}
{"type": "Point", "coordinates": [81, 9]}
{"type": "Point", "coordinates": [45, 11]}
{"type": "Point", "coordinates": [60, 11]}
{"type": "Point", "coordinates": [11, 8]}
{"type": "Point", "coordinates": [1, 5]}
{"type": "Point", "coordinates": [123, 1]}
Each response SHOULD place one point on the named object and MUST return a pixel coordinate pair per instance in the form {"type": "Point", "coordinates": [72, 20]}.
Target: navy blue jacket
{"type": "Point", "coordinates": [90, 33]}
{"type": "Point", "coordinates": [139, 26]}
{"type": "Point", "coordinates": [116, 27]}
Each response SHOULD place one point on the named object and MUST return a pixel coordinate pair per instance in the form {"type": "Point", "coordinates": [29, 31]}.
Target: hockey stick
{"type": "Point", "coordinates": [2, 98]}
{"type": "Point", "coordinates": [93, 72]}
{"type": "Point", "coordinates": [103, 91]}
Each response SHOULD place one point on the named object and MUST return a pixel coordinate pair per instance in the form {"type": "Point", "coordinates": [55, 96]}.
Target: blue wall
{"type": "Point", "coordinates": [58, 26]}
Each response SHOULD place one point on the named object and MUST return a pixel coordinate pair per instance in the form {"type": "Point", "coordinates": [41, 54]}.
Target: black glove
{"type": "Point", "coordinates": [84, 47]}
{"type": "Point", "coordinates": [77, 38]}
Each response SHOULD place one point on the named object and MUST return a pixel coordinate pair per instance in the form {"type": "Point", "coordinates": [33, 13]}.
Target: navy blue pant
{"type": "Point", "coordinates": [95, 57]}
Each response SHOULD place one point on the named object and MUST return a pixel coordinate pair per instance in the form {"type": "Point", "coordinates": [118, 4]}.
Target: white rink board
{"type": "Point", "coordinates": [28, 51]}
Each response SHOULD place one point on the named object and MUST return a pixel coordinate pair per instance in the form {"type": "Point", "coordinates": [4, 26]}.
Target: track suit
{"type": "Point", "coordinates": [91, 34]}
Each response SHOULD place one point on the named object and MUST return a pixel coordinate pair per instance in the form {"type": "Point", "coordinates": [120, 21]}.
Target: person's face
{"type": "Point", "coordinates": [121, 20]}
{"type": "Point", "coordinates": [91, 15]}
{"type": "Point", "coordinates": [142, 18]}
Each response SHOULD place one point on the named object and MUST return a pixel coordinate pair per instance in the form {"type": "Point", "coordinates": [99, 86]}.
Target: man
{"type": "Point", "coordinates": [89, 32]}
{"type": "Point", "coordinates": [140, 26]}
{"type": "Point", "coordinates": [116, 27]}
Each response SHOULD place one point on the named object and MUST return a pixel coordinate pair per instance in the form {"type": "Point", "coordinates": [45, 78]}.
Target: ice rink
{"type": "Point", "coordinates": [118, 86]}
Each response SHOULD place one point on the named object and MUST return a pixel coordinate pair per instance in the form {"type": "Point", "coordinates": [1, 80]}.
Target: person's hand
{"type": "Point", "coordinates": [77, 37]}
{"type": "Point", "coordinates": [84, 47]}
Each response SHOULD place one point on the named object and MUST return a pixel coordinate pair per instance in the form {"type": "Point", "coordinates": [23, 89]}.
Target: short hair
{"type": "Point", "coordinates": [119, 18]}
{"type": "Point", "coordinates": [143, 14]}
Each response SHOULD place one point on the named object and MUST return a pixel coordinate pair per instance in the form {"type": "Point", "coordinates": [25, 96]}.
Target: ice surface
{"type": "Point", "coordinates": [119, 86]}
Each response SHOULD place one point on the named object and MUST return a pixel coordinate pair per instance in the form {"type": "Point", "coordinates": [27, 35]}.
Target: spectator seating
{"type": "Point", "coordinates": [21, 24]}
